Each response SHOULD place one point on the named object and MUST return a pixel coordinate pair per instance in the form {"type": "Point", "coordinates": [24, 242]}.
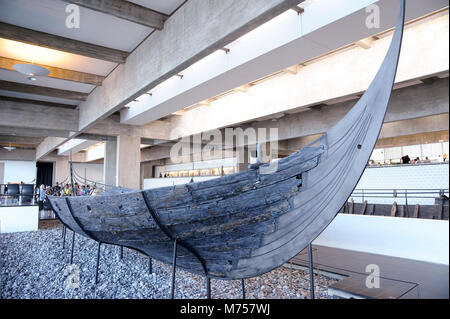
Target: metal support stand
{"type": "Point", "coordinates": [311, 272]}
{"type": "Point", "coordinates": [243, 288]}
{"type": "Point", "coordinates": [73, 244]}
{"type": "Point", "coordinates": [98, 261]}
{"type": "Point", "coordinates": [63, 230]}
{"type": "Point", "coordinates": [174, 263]}
{"type": "Point", "coordinates": [150, 265]}
{"type": "Point", "coordinates": [121, 252]}
{"type": "Point", "coordinates": [208, 287]}
{"type": "Point", "coordinates": [176, 242]}
{"type": "Point", "coordinates": [64, 237]}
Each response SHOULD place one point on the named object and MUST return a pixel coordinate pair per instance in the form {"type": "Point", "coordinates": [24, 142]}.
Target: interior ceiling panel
{"type": "Point", "coordinates": [97, 28]}
{"type": "Point", "coordinates": [166, 6]}
{"type": "Point", "coordinates": [13, 76]}
{"type": "Point", "coordinates": [38, 97]}
{"type": "Point", "coordinates": [35, 54]}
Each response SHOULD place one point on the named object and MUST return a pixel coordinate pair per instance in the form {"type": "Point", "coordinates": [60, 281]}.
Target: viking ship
{"type": "Point", "coordinates": [246, 224]}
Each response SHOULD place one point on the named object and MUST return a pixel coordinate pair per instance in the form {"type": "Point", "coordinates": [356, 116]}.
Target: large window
{"type": "Point", "coordinates": [392, 155]}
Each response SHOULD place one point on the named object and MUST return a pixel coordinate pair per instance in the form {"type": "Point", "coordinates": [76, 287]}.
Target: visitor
{"type": "Point", "coordinates": [67, 191]}
{"type": "Point", "coordinates": [444, 156]}
{"type": "Point", "coordinates": [56, 189]}
{"type": "Point", "coordinates": [427, 160]}
{"type": "Point", "coordinates": [41, 196]}
{"type": "Point", "coordinates": [76, 190]}
{"type": "Point", "coordinates": [406, 159]}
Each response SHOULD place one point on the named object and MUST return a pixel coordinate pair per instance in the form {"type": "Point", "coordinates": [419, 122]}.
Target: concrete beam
{"type": "Point", "coordinates": [112, 127]}
{"type": "Point", "coordinates": [57, 73]}
{"type": "Point", "coordinates": [184, 41]}
{"type": "Point", "coordinates": [155, 153]}
{"type": "Point", "coordinates": [48, 145]}
{"type": "Point", "coordinates": [421, 125]}
{"type": "Point", "coordinates": [96, 137]}
{"type": "Point", "coordinates": [391, 133]}
{"type": "Point", "coordinates": [46, 40]}
{"type": "Point", "coordinates": [415, 139]}
{"type": "Point", "coordinates": [36, 102]}
{"type": "Point", "coordinates": [125, 10]}
{"type": "Point", "coordinates": [42, 90]}
{"type": "Point", "coordinates": [74, 146]}
{"type": "Point", "coordinates": [6, 139]}
{"type": "Point", "coordinates": [17, 155]}
{"type": "Point", "coordinates": [22, 115]}
{"type": "Point", "coordinates": [413, 102]}
{"type": "Point", "coordinates": [32, 132]}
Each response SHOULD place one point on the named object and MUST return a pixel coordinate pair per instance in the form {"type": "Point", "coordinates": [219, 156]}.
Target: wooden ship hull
{"type": "Point", "coordinates": [246, 224]}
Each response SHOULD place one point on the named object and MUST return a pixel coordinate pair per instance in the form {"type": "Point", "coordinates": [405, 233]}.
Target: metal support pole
{"type": "Point", "coordinates": [63, 230]}
{"type": "Point", "coordinates": [98, 261]}
{"type": "Point", "coordinates": [174, 263]}
{"type": "Point", "coordinates": [243, 288]}
{"type": "Point", "coordinates": [73, 244]}
{"type": "Point", "coordinates": [64, 237]}
{"type": "Point", "coordinates": [208, 287]}
{"type": "Point", "coordinates": [406, 203]}
{"type": "Point", "coordinates": [150, 265]}
{"type": "Point", "coordinates": [311, 272]}
{"type": "Point", "coordinates": [121, 252]}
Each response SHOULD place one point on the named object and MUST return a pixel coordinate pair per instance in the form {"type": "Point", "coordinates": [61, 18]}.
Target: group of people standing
{"type": "Point", "coordinates": [64, 190]}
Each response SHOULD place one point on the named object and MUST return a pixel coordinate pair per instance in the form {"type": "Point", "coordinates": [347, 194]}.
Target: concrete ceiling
{"type": "Point", "coordinates": [97, 29]}
{"type": "Point", "coordinates": [74, 72]}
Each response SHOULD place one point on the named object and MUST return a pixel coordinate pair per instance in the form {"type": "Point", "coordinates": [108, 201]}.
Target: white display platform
{"type": "Point", "coordinates": [419, 239]}
{"type": "Point", "coordinates": [19, 218]}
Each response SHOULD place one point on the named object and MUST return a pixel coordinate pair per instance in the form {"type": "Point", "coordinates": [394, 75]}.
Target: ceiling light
{"type": "Point", "coordinates": [31, 70]}
{"type": "Point", "coordinates": [9, 148]}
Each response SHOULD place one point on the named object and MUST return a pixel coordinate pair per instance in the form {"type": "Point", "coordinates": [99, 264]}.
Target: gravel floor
{"type": "Point", "coordinates": [33, 265]}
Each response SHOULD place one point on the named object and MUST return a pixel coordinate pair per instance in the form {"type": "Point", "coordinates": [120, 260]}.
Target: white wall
{"type": "Point", "coordinates": [419, 239]}
{"type": "Point", "coordinates": [91, 171]}
{"type": "Point", "coordinates": [150, 183]}
{"type": "Point", "coordinates": [19, 171]}
{"type": "Point", "coordinates": [19, 219]}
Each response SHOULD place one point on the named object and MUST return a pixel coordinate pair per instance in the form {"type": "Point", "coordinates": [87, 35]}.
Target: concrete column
{"type": "Point", "coordinates": [110, 163]}
{"type": "Point", "coordinates": [128, 161]}
{"type": "Point", "coordinates": [61, 169]}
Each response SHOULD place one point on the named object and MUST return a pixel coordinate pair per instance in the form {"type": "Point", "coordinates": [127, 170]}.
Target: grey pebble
{"type": "Point", "coordinates": [34, 265]}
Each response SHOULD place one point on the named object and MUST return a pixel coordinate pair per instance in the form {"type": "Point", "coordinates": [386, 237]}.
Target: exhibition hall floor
{"type": "Point", "coordinates": [34, 265]}
{"type": "Point", "coordinates": [400, 277]}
